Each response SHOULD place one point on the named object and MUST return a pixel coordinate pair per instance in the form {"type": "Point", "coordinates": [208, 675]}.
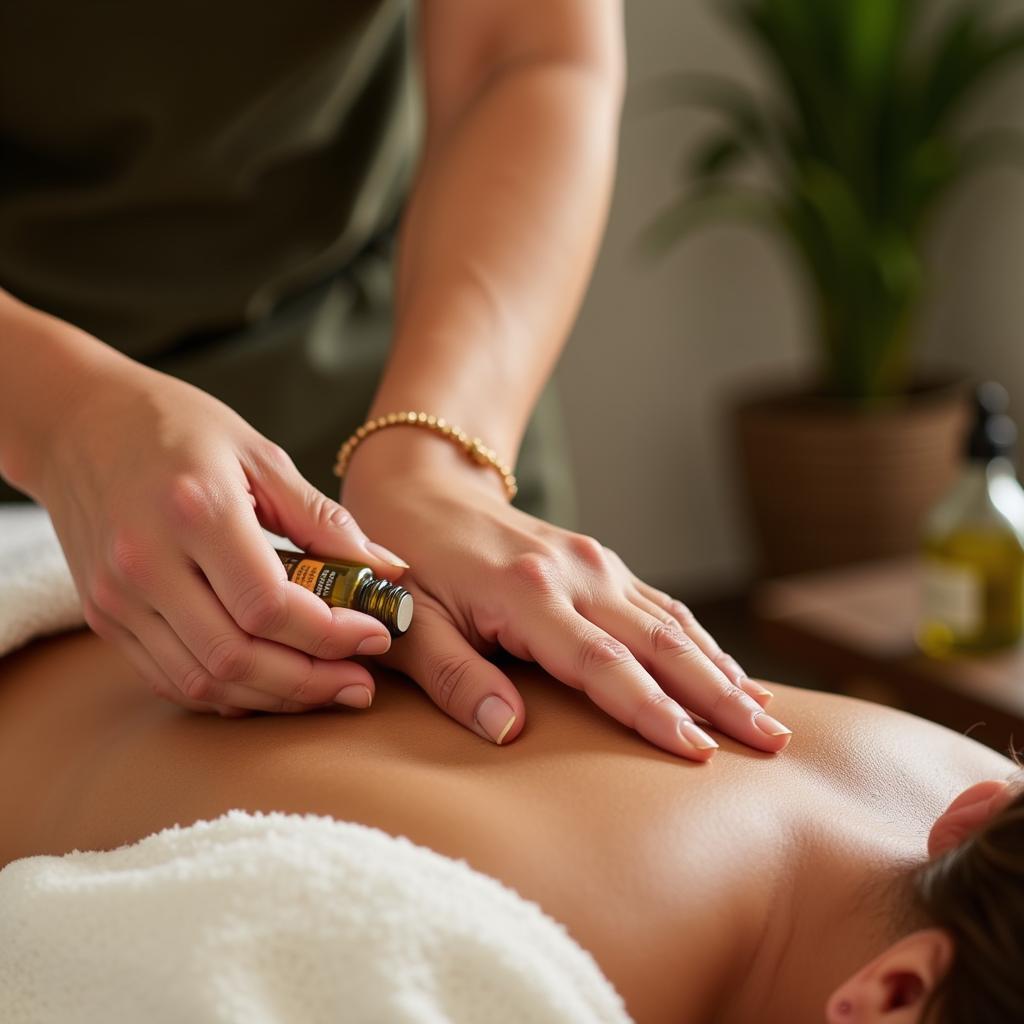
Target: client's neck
{"type": "Point", "coordinates": [839, 906]}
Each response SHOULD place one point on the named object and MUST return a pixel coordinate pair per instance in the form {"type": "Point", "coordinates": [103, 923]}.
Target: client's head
{"type": "Point", "coordinates": [964, 963]}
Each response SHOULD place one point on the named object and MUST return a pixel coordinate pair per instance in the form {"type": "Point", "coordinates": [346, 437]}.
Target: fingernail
{"type": "Point", "coordinates": [695, 735]}
{"type": "Point", "coordinates": [356, 696]}
{"type": "Point", "coordinates": [375, 644]}
{"type": "Point", "coordinates": [770, 727]}
{"type": "Point", "coordinates": [382, 553]}
{"type": "Point", "coordinates": [495, 717]}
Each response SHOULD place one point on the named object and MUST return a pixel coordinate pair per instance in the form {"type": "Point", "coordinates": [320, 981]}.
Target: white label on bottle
{"type": "Point", "coordinates": [952, 596]}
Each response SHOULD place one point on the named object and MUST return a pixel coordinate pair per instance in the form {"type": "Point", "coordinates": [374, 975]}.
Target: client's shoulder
{"type": "Point", "coordinates": [884, 756]}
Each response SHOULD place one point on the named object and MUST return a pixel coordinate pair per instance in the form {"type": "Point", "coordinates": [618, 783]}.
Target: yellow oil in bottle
{"type": "Point", "coordinates": [973, 592]}
{"type": "Point", "coordinates": [972, 597]}
{"type": "Point", "coordinates": [344, 584]}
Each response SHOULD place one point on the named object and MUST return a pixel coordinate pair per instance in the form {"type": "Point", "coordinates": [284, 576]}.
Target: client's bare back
{"type": "Point", "coordinates": [618, 840]}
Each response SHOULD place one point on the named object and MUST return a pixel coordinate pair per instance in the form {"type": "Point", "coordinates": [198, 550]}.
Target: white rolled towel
{"type": "Point", "coordinates": [37, 593]}
{"type": "Point", "coordinates": [282, 919]}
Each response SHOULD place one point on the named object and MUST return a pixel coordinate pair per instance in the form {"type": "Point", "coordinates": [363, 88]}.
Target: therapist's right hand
{"type": "Point", "coordinates": [157, 492]}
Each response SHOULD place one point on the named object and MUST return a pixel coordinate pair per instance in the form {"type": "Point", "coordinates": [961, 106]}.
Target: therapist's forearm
{"type": "Point", "coordinates": [47, 367]}
{"type": "Point", "coordinates": [497, 245]}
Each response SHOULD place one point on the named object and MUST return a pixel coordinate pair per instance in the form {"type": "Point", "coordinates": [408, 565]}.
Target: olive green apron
{"type": "Point", "coordinates": [212, 189]}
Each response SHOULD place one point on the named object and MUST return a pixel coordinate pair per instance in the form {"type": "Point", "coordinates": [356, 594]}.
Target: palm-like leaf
{"type": "Point", "coordinates": [863, 140]}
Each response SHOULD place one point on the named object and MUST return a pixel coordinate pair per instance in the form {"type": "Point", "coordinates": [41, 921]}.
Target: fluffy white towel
{"type": "Point", "coordinates": [37, 594]}
{"type": "Point", "coordinates": [284, 919]}
{"type": "Point", "coordinates": [266, 919]}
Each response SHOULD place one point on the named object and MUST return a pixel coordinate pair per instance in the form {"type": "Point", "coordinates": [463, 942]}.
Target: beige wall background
{"type": "Point", "coordinates": [660, 349]}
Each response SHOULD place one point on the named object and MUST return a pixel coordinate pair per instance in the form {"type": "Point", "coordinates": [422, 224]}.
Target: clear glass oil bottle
{"type": "Point", "coordinates": [350, 585]}
{"type": "Point", "coordinates": [973, 589]}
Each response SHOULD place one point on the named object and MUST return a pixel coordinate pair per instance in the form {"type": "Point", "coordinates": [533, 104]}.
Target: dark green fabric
{"type": "Point", "coordinates": [169, 172]}
{"type": "Point", "coordinates": [209, 188]}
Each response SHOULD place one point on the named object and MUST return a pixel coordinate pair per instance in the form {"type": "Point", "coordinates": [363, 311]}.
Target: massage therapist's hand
{"type": "Point", "coordinates": [157, 492]}
{"type": "Point", "coordinates": [486, 575]}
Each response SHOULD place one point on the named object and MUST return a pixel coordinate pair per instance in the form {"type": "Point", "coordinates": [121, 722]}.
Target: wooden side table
{"type": "Point", "coordinates": [855, 627]}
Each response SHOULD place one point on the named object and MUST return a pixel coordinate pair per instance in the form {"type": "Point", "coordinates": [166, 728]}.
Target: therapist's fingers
{"type": "Point", "coordinates": [680, 613]}
{"type": "Point", "coordinates": [676, 614]}
{"type": "Point", "coordinates": [579, 652]}
{"type": "Point", "coordinates": [676, 661]}
{"type": "Point", "coordinates": [705, 641]}
{"type": "Point", "coordinates": [289, 505]}
{"type": "Point", "coordinates": [143, 663]}
{"type": "Point", "coordinates": [213, 659]}
{"type": "Point", "coordinates": [457, 678]}
{"type": "Point", "coordinates": [192, 680]}
{"type": "Point", "coordinates": [230, 549]}
{"type": "Point", "coordinates": [161, 686]}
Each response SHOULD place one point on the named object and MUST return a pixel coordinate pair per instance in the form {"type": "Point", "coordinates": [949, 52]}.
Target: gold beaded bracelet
{"type": "Point", "coordinates": [474, 448]}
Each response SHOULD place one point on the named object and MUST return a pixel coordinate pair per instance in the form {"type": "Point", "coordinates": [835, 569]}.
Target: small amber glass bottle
{"type": "Point", "coordinates": [350, 585]}
{"type": "Point", "coordinates": [973, 595]}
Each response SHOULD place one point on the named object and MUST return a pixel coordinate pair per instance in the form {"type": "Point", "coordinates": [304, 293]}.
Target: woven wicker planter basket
{"type": "Point", "coordinates": [827, 484]}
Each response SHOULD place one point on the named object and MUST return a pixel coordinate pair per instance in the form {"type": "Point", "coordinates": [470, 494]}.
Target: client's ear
{"type": "Point", "coordinates": [972, 809]}
{"type": "Point", "coordinates": [894, 988]}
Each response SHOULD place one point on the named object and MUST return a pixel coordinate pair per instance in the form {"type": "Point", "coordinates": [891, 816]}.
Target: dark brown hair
{"type": "Point", "coordinates": [976, 893]}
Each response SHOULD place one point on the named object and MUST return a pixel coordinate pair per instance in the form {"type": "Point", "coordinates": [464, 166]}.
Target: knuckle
{"type": "Point", "coordinates": [588, 550]}
{"type": "Point", "coordinates": [105, 595]}
{"type": "Point", "coordinates": [734, 697]}
{"type": "Point", "coordinates": [263, 609]}
{"type": "Point", "coordinates": [671, 641]}
{"type": "Point", "coordinates": [303, 690]}
{"type": "Point", "coordinates": [599, 653]}
{"type": "Point", "coordinates": [652, 699]}
{"type": "Point", "coordinates": [197, 684]}
{"type": "Point", "coordinates": [535, 571]}
{"type": "Point", "coordinates": [276, 458]}
{"type": "Point", "coordinates": [339, 516]}
{"type": "Point", "coordinates": [131, 559]}
{"type": "Point", "coordinates": [229, 659]}
{"type": "Point", "coordinates": [328, 646]}
{"type": "Point", "coordinates": [326, 513]}
{"type": "Point", "coordinates": [449, 676]}
{"type": "Point", "coordinates": [685, 617]}
{"type": "Point", "coordinates": [192, 501]}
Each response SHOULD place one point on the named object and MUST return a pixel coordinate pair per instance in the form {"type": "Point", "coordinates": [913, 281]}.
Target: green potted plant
{"type": "Point", "coordinates": [854, 152]}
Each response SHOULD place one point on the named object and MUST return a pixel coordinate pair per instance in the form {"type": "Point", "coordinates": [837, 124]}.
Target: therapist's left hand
{"type": "Point", "coordinates": [486, 575]}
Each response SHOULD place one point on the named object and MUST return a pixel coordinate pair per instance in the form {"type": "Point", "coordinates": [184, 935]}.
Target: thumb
{"type": "Point", "coordinates": [289, 505]}
{"type": "Point", "coordinates": [461, 682]}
